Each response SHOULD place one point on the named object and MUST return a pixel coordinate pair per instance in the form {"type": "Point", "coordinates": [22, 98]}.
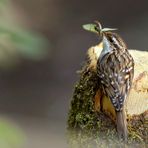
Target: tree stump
{"type": "Point", "coordinates": [91, 116]}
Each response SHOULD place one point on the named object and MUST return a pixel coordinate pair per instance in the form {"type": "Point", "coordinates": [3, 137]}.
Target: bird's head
{"type": "Point", "coordinates": [97, 28]}
{"type": "Point", "coordinates": [109, 41]}
{"type": "Point", "coordinates": [107, 35]}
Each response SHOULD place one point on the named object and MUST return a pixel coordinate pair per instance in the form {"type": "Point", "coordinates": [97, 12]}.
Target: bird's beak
{"type": "Point", "coordinates": [108, 29]}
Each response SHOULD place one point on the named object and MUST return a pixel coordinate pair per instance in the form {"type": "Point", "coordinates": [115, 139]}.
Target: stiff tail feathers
{"type": "Point", "coordinates": [121, 125]}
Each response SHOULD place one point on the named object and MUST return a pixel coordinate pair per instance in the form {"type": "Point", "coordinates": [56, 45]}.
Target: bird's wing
{"type": "Point", "coordinates": [116, 77]}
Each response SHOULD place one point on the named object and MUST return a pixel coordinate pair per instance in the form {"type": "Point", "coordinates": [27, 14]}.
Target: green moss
{"type": "Point", "coordinates": [88, 128]}
{"type": "Point", "coordinates": [82, 114]}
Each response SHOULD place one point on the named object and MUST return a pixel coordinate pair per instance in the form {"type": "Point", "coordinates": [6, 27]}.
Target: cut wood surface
{"type": "Point", "coordinates": [137, 102]}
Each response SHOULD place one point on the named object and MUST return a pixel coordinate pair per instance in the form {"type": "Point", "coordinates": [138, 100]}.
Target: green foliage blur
{"type": "Point", "coordinates": [10, 136]}
{"type": "Point", "coordinates": [17, 42]}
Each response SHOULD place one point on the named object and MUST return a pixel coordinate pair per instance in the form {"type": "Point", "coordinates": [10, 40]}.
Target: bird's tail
{"type": "Point", "coordinates": [121, 125]}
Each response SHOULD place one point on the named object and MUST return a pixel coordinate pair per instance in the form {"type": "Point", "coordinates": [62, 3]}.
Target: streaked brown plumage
{"type": "Point", "coordinates": [115, 68]}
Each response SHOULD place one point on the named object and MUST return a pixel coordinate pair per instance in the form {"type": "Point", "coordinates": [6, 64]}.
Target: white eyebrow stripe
{"type": "Point", "coordinates": [116, 42]}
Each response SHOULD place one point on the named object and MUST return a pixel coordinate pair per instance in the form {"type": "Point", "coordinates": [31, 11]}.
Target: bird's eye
{"type": "Point", "coordinates": [111, 39]}
{"type": "Point", "coordinates": [96, 28]}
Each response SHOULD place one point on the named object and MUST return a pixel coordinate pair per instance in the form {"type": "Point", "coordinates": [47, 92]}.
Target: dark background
{"type": "Point", "coordinates": [36, 95]}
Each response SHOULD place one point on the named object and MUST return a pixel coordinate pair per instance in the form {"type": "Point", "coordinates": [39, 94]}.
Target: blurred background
{"type": "Point", "coordinates": [42, 45]}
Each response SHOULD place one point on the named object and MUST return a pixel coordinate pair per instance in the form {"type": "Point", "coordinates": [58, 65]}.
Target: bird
{"type": "Point", "coordinates": [115, 70]}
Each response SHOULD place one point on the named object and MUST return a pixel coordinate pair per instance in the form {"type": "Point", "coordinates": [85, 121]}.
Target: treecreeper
{"type": "Point", "coordinates": [110, 101]}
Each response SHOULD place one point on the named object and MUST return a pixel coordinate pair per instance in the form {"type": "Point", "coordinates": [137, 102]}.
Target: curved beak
{"type": "Point", "coordinates": [108, 29]}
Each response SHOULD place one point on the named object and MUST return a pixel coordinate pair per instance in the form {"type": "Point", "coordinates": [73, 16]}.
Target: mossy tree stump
{"type": "Point", "coordinates": [91, 116]}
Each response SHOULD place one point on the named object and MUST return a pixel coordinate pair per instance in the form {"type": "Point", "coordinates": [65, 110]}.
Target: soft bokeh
{"type": "Point", "coordinates": [42, 45]}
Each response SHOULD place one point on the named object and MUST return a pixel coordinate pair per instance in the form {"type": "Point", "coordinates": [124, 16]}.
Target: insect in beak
{"type": "Point", "coordinates": [97, 28]}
